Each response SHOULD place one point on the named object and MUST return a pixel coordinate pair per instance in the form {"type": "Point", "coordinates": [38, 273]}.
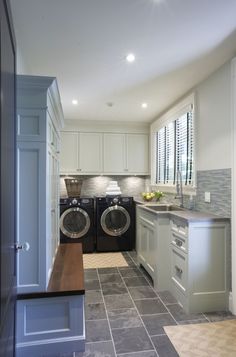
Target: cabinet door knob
{"type": "Point", "coordinates": [178, 242]}
{"type": "Point", "coordinates": [178, 270]}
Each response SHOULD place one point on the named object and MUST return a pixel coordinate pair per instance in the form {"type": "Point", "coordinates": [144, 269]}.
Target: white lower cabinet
{"type": "Point", "coordinates": [189, 258]}
{"type": "Point", "coordinates": [152, 245]}
{"type": "Point", "coordinates": [200, 265]}
{"type": "Point", "coordinates": [52, 326]}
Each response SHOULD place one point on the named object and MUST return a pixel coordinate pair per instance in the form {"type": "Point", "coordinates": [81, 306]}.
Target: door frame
{"type": "Point", "coordinates": [233, 213]}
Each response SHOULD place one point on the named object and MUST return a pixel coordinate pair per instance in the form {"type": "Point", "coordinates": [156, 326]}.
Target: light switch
{"type": "Point", "coordinates": [207, 197]}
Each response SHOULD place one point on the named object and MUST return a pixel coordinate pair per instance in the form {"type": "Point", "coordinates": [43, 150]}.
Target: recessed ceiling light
{"type": "Point", "coordinates": [74, 101]}
{"type": "Point", "coordinates": [144, 105]}
{"type": "Point", "coordinates": [130, 57]}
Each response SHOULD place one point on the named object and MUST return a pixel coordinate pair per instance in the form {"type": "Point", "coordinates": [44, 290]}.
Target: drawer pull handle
{"type": "Point", "coordinates": [178, 242]}
{"type": "Point", "coordinates": [178, 270]}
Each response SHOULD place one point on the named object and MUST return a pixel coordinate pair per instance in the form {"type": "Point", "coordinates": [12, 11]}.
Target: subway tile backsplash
{"type": "Point", "coordinates": [217, 182]}
{"type": "Point", "coordinates": [96, 185]}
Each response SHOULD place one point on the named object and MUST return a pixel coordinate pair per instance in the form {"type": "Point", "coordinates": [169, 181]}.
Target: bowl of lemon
{"type": "Point", "coordinates": [148, 196]}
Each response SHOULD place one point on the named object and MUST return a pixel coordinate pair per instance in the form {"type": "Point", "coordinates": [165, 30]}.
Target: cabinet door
{"type": "Point", "coordinates": [114, 153]}
{"type": "Point", "coordinates": [69, 152]}
{"type": "Point", "coordinates": [137, 153]}
{"type": "Point", "coordinates": [90, 153]}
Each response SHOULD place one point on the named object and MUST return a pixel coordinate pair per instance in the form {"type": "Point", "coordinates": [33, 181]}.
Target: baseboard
{"type": "Point", "coordinates": [231, 302]}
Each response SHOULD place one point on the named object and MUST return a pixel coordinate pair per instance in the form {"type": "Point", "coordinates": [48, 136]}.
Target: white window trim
{"type": "Point", "coordinates": [186, 104]}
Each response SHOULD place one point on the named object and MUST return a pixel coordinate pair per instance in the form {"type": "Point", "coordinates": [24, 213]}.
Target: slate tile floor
{"type": "Point", "coordinates": [125, 315]}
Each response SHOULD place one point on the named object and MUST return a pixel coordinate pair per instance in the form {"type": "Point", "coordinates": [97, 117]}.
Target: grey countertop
{"type": "Point", "coordinates": [186, 215]}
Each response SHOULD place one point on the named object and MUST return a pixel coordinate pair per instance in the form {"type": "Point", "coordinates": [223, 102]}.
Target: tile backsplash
{"type": "Point", "coordinates": [96, 185]}
{"type": "Point", "coordinates": [218, 183]}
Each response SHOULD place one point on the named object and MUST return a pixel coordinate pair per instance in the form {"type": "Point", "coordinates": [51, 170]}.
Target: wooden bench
{"type": "Point", "coordinates": [52, 321]}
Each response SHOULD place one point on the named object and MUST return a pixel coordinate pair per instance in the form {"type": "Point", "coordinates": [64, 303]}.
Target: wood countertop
{"type": "Point", "coordinates": [67, 276]}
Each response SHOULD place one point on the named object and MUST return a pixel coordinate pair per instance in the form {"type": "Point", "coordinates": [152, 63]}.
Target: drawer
{"type": "Point", "coordinates": [179, 241]}
{"type": "Point", "coordinates": [179, 269]}
{"type": "Point", "coordinates": [179, 227]}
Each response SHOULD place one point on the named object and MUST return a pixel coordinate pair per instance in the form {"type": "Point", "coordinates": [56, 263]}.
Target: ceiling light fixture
{"type": "Point", "coordinates": [144, 105]}
{"type": "Point", "coordinates": [130, 58]}
{"type": "Point", "coordinates": [74, 101]}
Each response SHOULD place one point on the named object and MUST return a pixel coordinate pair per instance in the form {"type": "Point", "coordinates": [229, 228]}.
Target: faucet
{"type": "Point", "coordinates": [179, 188]}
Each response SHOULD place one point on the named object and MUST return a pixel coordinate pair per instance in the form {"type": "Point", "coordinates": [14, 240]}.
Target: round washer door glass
{"type": "Point", "coordinates": [115, 221]}
{"type": "Point", "coordinates": [74, 222]}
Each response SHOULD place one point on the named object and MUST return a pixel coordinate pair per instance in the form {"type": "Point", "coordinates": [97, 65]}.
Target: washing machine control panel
{"type": "Point", "coordinates": [74, 201]}
{"type": "Point", "coordinates": [115, 200]}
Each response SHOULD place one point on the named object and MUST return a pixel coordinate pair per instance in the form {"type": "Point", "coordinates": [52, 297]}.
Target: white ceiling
{"type": "Point", "coordinates": [83, 43]}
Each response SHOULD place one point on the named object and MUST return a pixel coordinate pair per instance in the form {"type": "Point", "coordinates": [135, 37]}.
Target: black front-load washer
{"type": "Point", "coordinates": [77, 222]}
{"type": "Point", "coordinates": [115, 223]}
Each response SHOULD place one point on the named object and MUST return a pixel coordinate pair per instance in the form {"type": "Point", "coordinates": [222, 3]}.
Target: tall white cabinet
{"type": "Point", "coordinates": [39, 121]}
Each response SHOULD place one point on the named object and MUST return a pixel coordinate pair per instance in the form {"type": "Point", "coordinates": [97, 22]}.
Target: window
{"type": "Point", "coordinates": [174, 150]}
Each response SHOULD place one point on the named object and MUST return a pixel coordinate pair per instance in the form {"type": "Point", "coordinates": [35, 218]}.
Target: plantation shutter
{"type": "Point", "coordinates": [175, 150]}
{"type": "Point", "coordinates": [170, 153]}
{"type": "Point", "coordinates": [161, 153]}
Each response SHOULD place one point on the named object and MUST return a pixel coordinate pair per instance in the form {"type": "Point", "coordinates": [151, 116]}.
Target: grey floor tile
{"type": "Point", "coordinates": [219, 316]}
{"type": "Point", "coordinates": [95, 311]}
{"type": "Point", "coordinates": [97, 330]}
{"type": "Point", "coordinates": [164, 347]}
{"type": "Point", "coordinates": [93, 296]}
{"type": "Point", "coordinates": [110, 278]}
{"type": "Point", "coordinates": [142, 292]}
{"type": "Point", "coordinates": [154, 323]}
{"type": "Point", "coordinates": [140, 354]}
{"type": "Point", "coordinates": [90, 274]}
{"type": "Point", "coordinates": [130, 272]}
{"type": "Point", "coordinates": [192, 322]}
{"type": "Point", "coordinates": [124, 318]}
{"type": "Point", "coordinates": [132, 253]}
{"type": "Point", "coordinates": [92, 285]}
{"type": "Point", "coordinates": [118, 302]}
{"type": "Point", "coordinates": [107, 271]}
{"type": "Point", "coordinates": [114, 289]}
{"type": "Point", "coordinates": [131, 340]}
{"type": "Point", "coordinates": [97, 349]}
{"type": "Point", "coordinates": [90, 270]}
{"type": "Point", "coordinates": [180, 315]}
{"type": "Point", "coordinates": [136, 281]}
{"type": "Point", "coordinates": [130, 262]}
{"type": "Point", "coordinates": [167, 297]}
{"type": "Point", "coordinates": [150, 306]}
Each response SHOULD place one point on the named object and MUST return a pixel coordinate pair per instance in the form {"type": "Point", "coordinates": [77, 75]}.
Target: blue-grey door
{"type": "Point", "coordinates": [7, 183]}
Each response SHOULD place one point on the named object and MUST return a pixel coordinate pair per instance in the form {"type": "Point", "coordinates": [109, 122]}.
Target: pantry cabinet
{"type": "Point", "coordinates": [104, 153]}
{"type": "Point", "coordinates": [39, 121]}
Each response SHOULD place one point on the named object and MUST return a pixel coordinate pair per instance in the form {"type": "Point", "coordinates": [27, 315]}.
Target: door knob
{"type": "Point", "coordinates": [25, 246]}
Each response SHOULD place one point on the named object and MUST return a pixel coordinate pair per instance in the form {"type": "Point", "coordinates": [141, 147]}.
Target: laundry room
{"type": "Point", "coordinates": [118, 178]}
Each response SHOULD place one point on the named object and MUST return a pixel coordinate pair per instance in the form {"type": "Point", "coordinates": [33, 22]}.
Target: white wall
{"type": "Point", "coordinates": [105, 126]}
{"type": "Point", "coordinates": [213, 121]}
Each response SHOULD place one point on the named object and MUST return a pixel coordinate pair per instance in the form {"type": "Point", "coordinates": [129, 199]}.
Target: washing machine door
{"type": "Point", "coordinates": [74, 222]}
{"type": "Point", "coordinates": [115, 221]}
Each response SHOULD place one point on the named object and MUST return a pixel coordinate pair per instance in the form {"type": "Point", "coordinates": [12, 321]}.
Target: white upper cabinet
{"type": "Point", "coordinates": [126, 153]}
{"type": "Point", "coordinates": [114, 153]}
{"type": "Point", "coordinates": [90, 153]}
{"type": "Point", "coordinates": [81, 153]}
{"type": "Point", "coordinates": [108, 153]}
{"type": "Point", "coordinates": [137, 153]}
{"type": "Point", "coordinates": [69, 152]}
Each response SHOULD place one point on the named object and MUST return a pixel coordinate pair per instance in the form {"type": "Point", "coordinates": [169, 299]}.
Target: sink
{"type": "Point", "coordinates": [161, 208]}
